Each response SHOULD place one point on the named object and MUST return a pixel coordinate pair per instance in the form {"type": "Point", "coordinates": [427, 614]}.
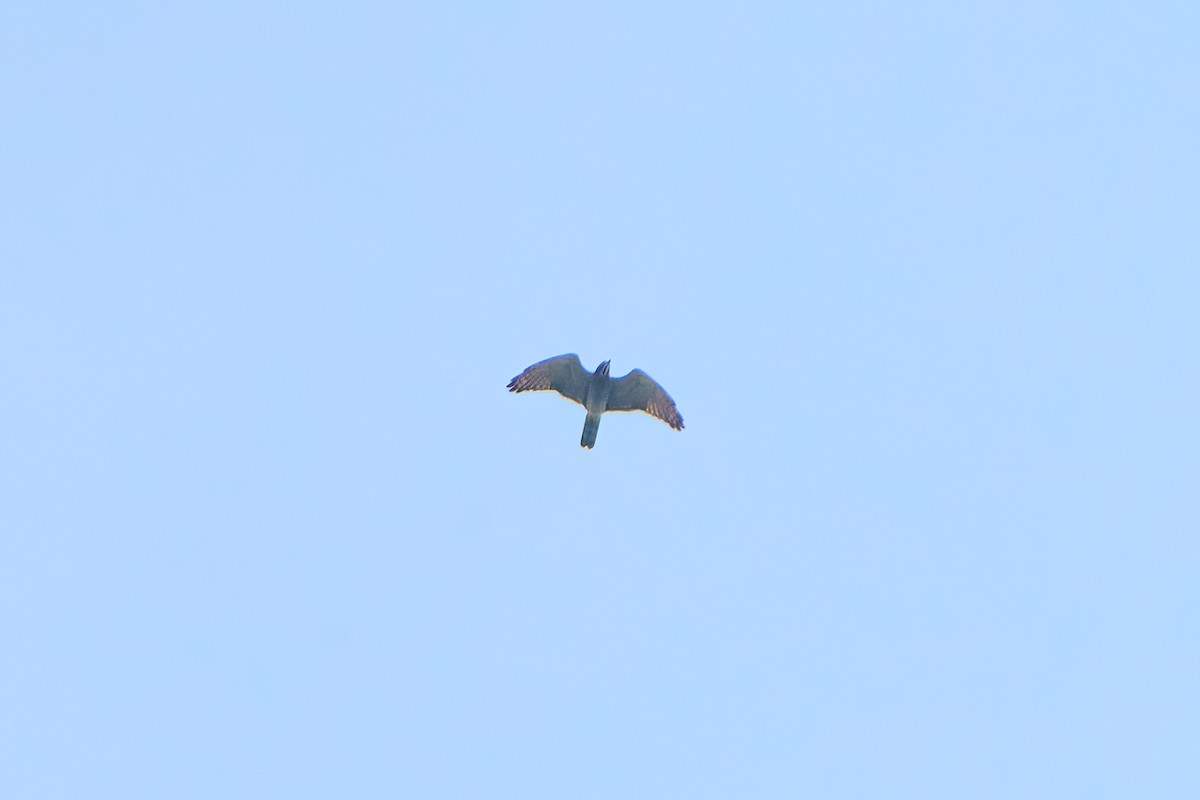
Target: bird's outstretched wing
{"type": "Point", "coordinates": [637, 391]}
{"type": "Point", "coordinates": [563, 374]}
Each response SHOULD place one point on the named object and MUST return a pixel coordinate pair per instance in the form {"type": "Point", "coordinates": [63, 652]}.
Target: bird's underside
{"type": "Point", "coordinates": [597, 392]}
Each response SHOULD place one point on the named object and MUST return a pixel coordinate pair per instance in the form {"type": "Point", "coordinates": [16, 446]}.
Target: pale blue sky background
{"type": "Point", "coordinates": [924, 279]}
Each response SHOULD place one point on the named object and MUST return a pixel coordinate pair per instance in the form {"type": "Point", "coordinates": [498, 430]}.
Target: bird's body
{"type": "Point", "coordinates": [597, 392]}
{"type": "Point", "coordinates": [596, 403]}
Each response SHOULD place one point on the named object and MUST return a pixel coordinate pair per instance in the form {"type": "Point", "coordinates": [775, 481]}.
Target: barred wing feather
{"type": "Point", "coordinates": [637, 391]}
{"type": "Point", "coordinates": [562, 374]}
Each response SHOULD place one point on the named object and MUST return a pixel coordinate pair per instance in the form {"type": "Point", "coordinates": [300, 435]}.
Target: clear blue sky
{"type": "Point", "coordinates": [924, 279]}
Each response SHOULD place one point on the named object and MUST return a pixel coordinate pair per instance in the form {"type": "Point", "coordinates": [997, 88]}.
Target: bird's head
{"type": "Point", "coordinates": [603, 368]}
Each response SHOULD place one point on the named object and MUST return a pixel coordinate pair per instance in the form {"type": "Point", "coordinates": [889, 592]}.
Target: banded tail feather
{"type": "Point", "coordinates": [591, 424]}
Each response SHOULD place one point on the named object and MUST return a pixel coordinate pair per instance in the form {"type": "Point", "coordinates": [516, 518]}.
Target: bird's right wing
{"type": "Point", "coordinates": [563, 374]}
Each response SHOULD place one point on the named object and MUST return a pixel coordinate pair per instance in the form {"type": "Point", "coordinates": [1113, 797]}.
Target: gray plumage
{"type": "Point", "coordinates": [597, 392]}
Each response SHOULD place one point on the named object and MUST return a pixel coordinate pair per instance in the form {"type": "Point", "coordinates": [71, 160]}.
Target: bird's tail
{"type": "Point", "coordinates": [590, 426]}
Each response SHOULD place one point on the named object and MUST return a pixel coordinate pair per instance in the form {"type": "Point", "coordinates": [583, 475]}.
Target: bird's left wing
{"type": "Point", "coordinates": [637, 391]}
{"type": "Point", "coordinates": [563, 374]}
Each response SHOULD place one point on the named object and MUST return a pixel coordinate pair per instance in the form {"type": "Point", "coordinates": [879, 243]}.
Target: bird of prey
{"type": "Point", "coordinates": [597, 392]}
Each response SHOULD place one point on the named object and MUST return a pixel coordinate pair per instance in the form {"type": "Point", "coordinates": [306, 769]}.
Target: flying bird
{"type": "Point", "coordinates": [597, 392]}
